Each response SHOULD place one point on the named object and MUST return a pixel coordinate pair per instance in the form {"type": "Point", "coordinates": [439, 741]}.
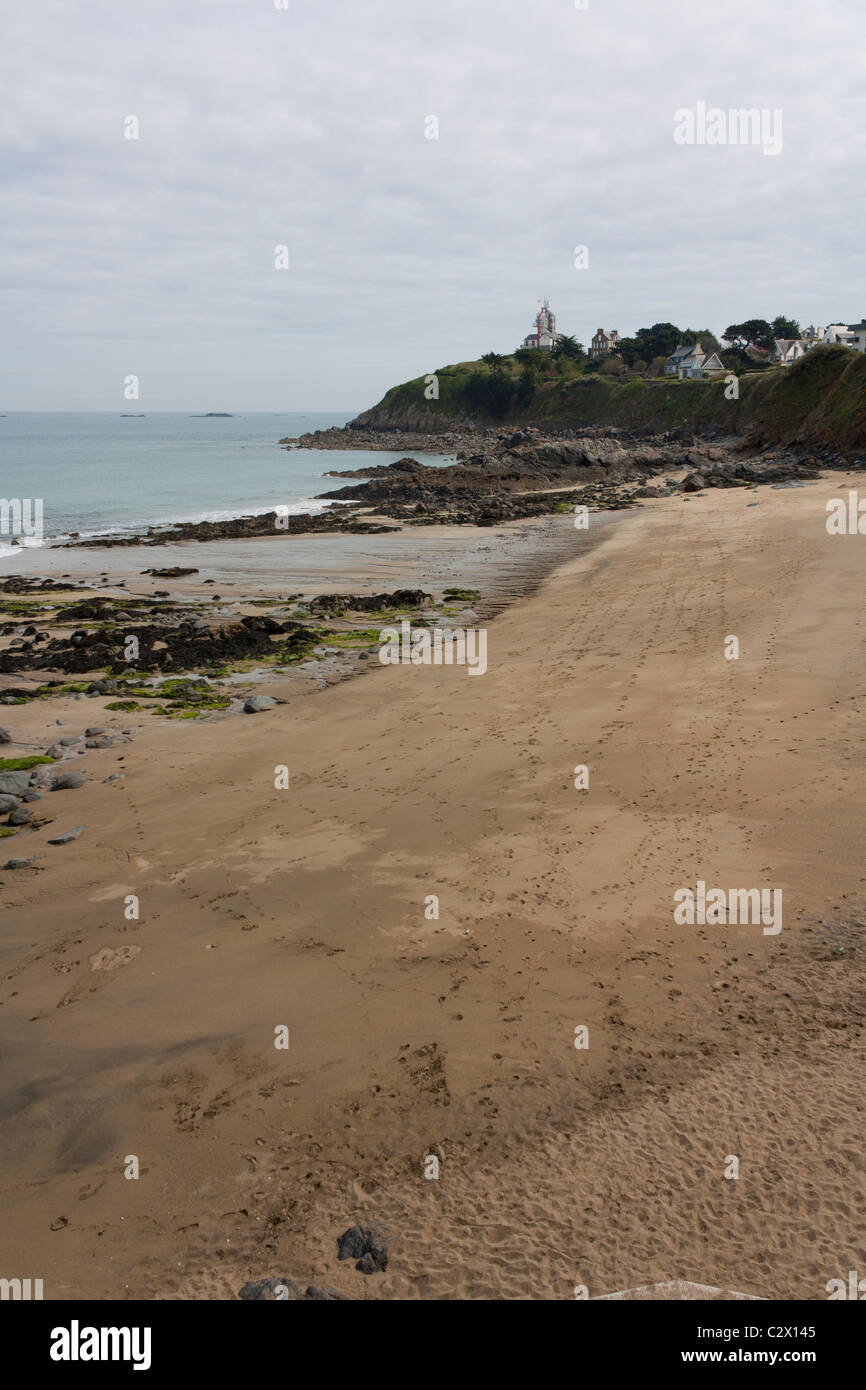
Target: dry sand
{"type": "Point", "coordinates": [559, 1167]}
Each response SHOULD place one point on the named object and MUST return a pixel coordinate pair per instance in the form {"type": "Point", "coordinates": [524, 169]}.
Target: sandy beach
{"type": "Point", "coordinates": [413, 1037]}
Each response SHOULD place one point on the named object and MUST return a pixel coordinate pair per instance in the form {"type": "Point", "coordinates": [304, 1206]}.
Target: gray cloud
{"type": "Point", "coordinates": [306, 127]}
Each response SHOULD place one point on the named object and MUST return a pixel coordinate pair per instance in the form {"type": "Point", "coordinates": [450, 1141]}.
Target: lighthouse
{"type": "Point", "coordinates": [544, 335]}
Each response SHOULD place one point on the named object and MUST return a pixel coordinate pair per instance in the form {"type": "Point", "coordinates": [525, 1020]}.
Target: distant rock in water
{"type": "Point", "coordinates": [213, 415]}
{"type": "Point", "coordinates": [378, 470]}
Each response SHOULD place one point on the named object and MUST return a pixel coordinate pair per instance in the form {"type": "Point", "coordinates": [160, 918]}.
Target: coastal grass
{"type": "Point", "coordinates": [186, 709]}
{"type": "Point", "coordinates": [24, 608]}
{"type": "Point", "coordinates": [22, 764]}
{"type": "Point", "coordinates": [352, 637]}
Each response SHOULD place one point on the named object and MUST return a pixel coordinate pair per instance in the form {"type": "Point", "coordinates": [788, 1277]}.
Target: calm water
{"type": "Point", "coordinates": [99, 472]}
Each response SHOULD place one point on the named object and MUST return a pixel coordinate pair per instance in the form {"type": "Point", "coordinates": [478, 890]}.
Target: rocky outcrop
{"type": "Point", "coordinates": [184, 646]}
{"type": "Point", "coordinates": [331, 605]}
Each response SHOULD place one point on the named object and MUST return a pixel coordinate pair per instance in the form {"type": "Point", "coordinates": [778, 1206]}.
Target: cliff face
{"type": "Point", "coordinates": [820, 400]}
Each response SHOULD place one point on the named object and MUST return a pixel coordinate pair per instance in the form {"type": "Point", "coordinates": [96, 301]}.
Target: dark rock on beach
{"type": "Point", "coordinates": [334, 604]}
{"type": "Point", "coordinates": [68, 835]}
{"type": "Point", "coordinates": [171, 572]}
{"type": "Point", "coordinates": [256, 704]}
{"type": "Point", "coordinates": [185, 646]}
{"type": "Point", "coordinates": [367, 1246]}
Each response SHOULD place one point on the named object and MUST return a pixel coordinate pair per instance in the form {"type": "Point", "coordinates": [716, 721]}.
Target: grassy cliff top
{"type": "Point", "coordinates": [820, 398]}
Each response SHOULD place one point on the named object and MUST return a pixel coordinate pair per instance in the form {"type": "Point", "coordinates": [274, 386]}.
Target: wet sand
{"type": "Point", "coordinates": [499, 560]}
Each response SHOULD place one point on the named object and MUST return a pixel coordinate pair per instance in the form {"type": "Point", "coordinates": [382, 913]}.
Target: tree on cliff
{"type": "Point", "coordinates": [753, 333]}
{"type": "Point", "coordinates": [494, 361]}
{"type": "Point", "coordinates": [658, 341]}
{"type": "Point", "coordinates": [785, 328]}
{"type": "Point", "coordinates": [708, 341]}
{"type": "Point", "coordinates": [567, 346]}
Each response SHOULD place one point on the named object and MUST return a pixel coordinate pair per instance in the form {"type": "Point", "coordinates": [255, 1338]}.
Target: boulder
{"type": "Point", "coordinates": [257, 703]}
{"type": "Point", "coordinates": [5, 736]}
{"type": "Point", "coordinates": [68, 835]}
{"type": "Point", "coordinates": [14, 783]}
{"type": "Point", "coordinates": [693, 482]}
{"type": "Point", "coordinates": [366, 1245]}
{"type": "Point", "coordinates": [67, 781]}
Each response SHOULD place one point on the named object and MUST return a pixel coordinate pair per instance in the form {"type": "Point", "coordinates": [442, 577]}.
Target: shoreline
{"type": "Point", "coordinates": [496, 476]}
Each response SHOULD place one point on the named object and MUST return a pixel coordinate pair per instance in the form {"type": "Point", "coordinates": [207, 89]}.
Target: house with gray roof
{"type": "Point", "coordinates": [689, 361]}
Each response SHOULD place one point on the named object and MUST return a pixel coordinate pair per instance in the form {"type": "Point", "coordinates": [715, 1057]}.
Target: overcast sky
{"type": "Point", "coordinates": [305, 127]}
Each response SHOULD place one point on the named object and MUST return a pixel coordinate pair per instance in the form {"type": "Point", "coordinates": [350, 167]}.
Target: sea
{"type": "Point", "coordinates": [103, 473]}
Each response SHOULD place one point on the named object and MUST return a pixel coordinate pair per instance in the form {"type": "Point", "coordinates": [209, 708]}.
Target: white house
{"type": "Point", "coordinates": [857, 336]}
{"type": "Point", "coordinates": [788, 350]}
{"type": "Point", "coordinates": [836, 333]}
